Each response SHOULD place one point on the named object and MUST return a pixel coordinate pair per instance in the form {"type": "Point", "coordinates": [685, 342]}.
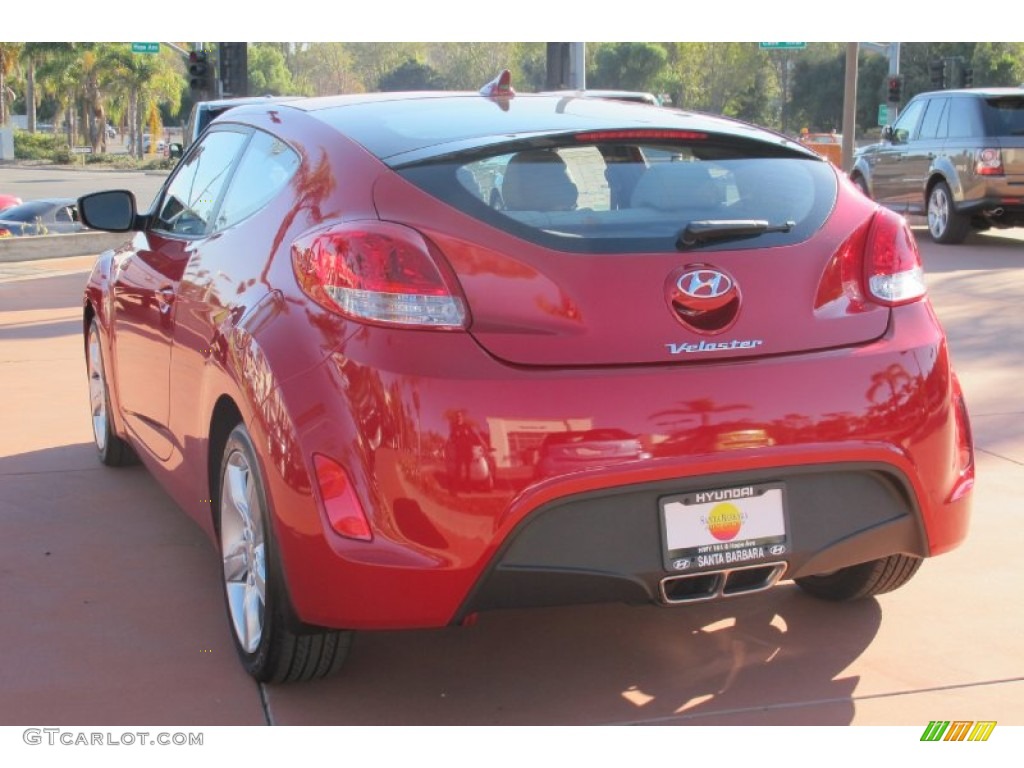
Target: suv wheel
{"type": "Point", "coordinates": [944, 223]}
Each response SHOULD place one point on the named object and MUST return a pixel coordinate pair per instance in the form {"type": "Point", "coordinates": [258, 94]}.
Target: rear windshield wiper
{"type": "Point", "coordinates": [697, 233]}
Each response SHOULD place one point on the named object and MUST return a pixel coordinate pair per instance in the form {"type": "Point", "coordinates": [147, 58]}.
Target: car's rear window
{"type": "Point", "coordinates": [1004, 116]}
{"type": "Point", "coordinates": [614, 196]}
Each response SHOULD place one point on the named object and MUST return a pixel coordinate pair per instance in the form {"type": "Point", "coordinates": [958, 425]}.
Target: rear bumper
{"type": "Point", "coordinates": [607, 546]}
{"type": "Point", "coordinates": [864, 440]}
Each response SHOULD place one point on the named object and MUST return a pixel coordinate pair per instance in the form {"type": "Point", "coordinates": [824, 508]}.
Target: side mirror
{"type": "Point", "coordinates": [112, 211]}
{"type": "Point", "coordinates": [176, 150]}
{"type": "Point", "coordinates": [887, 133]}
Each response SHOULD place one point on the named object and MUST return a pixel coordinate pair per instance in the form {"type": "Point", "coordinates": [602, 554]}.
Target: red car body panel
{"type": "Point", "coordinates": [190, 328]}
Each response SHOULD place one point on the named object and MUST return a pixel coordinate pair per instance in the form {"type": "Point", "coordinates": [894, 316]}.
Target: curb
{"type": "Point", "coordinates": [33, 248]}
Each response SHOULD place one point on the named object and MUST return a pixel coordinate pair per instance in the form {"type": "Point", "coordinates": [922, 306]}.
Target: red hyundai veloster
{"type": "Point", "coordinates": [408, 357]}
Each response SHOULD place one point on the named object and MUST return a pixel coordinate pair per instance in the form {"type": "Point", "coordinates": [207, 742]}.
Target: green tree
{"type": "Point", "coordinates": [268, 71]}
{"type": "Point", "coordinates": [371, 61]}
{"type": "Point", "coordinates": [411, 75]}
{"type": "Point", "coordinates": [469, 66]}
{"type": "Point", "coordinates": [629, 66]}
{"type": "Point", "coordinates": [998, 64]}
{"type": "Point", "coordinates": [326, 68]}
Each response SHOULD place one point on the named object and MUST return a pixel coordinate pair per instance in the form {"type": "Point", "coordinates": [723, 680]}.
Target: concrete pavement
{"type": "Point", "coordinates": [113, 615]}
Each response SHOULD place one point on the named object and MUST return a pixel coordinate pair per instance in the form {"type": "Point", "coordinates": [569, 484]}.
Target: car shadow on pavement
{"type": "Point", "coordinates": [14, 296]}
{"type": "Point", "coordinates": [768, 658]}
{"type": "Point", "coordinates": [40, 329]}
{"type": "Point", "coordinates": [112, 607]}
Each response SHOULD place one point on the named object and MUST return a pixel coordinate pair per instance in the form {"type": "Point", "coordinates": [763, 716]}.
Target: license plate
{"type": "Point", "coordinates": [724, 527]}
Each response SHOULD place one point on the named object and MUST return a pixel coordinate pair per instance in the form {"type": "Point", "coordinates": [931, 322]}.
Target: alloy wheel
{"type": "Point", "coordinates": [243, 547]}
{"type": "Point", "coordinates": [938, 212]}
{"type": "Point", "coordinates": [97, 390]}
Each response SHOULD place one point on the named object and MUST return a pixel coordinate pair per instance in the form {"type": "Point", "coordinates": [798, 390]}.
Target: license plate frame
{"type": "Point", "coordinates": [725, 527]}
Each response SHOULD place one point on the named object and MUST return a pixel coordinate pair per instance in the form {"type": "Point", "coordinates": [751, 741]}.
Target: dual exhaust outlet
{"type": "Point", "coordinates": [709, 585]}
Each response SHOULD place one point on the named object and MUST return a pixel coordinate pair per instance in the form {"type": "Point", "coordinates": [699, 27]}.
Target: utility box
{"type": "Point", "coordinates": [6, 144]}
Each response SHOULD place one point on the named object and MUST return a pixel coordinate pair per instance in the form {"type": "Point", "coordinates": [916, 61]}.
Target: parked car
{"type": "Point", "coordinates": [162, 146]}
{"type": "Point", "coordinates": [828, 145]}
{"type": "Point", "coordinates": [955, 156]}
{"type": "Point", "coordinates": [49, 216]}
{"type": "Point", "coordinates": [322, 292]}
{"type": "Point", "coordinates": [8, 201]}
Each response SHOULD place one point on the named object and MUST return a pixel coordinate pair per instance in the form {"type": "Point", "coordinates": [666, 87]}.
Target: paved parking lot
{"type": "Point", "coordinates": [112, 613]}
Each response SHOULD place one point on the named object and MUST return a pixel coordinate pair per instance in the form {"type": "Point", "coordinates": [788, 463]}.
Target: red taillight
{"type": "Point", "coordinates": [844, 273]}
{"type": "Point", "coordinates": [640, 133]}
{"type": "Point", "coordinates": [990, 163]}
{"type": "Point", "coordinates": [892, 263]}
{"type": "Point", "coordinates": [379, 272]}
{"type": "Point", "coordinates": [344, 512]}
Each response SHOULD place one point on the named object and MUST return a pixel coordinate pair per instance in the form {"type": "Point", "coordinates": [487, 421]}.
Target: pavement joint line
{"type": "Point", "coordinates": [265, 703]}
{"type": "Point", "coordinates": [999, 456]}
{"type": "Point", "coordinates": [22, 278]}
{"type": "Point", "coordinates": [46, 471]}
{"type": "Point", "coordinates": [818, 702]}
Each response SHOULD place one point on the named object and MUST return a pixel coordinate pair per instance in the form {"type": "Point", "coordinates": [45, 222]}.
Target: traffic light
{"type": "Point", "coordinates": [199, 71]}
{"type": "Point", "coordinates": [895, 89]}
{"type": "Point", "coordinates": [937, 72]}
{"type": "Point", "coordinates": [968, 77]}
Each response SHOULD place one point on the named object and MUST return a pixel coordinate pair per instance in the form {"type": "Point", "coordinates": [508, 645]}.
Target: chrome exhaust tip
{"type": "Point", "coordinates": [697, 587]}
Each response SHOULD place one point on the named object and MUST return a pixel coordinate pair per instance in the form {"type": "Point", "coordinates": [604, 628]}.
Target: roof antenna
{"type": "Point", "coordinates": [500, 87]}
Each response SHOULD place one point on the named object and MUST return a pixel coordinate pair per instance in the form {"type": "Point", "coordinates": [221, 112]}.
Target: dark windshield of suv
{"type": "Point", "coordinates": [636, 195]}
{"type": "Point", "coordinates": [1004, 117]}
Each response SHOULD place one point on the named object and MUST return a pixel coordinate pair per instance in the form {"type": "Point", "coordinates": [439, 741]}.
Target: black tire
{"type": "Point", "coordinates": [256, 599]}
{"type": "Point", "coordinates": [111, 449]}
{"type": "Point", "coordinates": [944, 223]}
{"type": "Point", "coordinates": [865, 580]}
{"type": "Point", "coordinates": [862, 186]}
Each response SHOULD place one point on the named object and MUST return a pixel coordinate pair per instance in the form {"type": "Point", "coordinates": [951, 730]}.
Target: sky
{"type": "Point", "coordinates": [521, 20]}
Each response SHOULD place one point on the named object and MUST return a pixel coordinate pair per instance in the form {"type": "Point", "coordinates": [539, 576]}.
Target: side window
{"type": "Point", "coordinates": [264, 169]}
{"type": "Point", "coordinates": [932, 119]}
{"type": "Point", "coordinates": [903, 128]}
{"type": "Point", "coordinates": [962, 118]}
{"type": "Point", "coordinates": [191, 197]}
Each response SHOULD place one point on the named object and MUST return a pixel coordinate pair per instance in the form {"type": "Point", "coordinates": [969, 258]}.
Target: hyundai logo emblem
{"type": "Point", "coordinates": [704, 283]}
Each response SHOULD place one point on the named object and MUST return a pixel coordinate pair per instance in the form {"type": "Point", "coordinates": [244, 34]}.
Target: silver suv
{"type": "Point", "coordinates": [956, 156]}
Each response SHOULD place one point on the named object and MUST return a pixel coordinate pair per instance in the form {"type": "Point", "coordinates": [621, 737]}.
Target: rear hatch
{"type": "Point", "coordinates": [641, 246]}
{"type": "Point", "coordinates": [1004, 119]}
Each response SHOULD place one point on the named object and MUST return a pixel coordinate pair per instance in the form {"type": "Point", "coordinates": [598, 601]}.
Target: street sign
{"type": "Point", "coordinates": [781, 46]}
{"type": "Point", "coordinates": [81, 150]}
{"type": "Point", "coordinates": [145, 47]}
{"type": "Point", "coordinates": [883, 114]}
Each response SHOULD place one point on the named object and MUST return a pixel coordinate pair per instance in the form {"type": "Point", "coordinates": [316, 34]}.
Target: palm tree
{"type": "Point", "coordinates": [58, 74]}
{"type": "Point", "coordinates": [33, 55]}
{"type": "Point", "coordinates": [9, 53]}
{"type": "Point", "coordinates": [142, 81]}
